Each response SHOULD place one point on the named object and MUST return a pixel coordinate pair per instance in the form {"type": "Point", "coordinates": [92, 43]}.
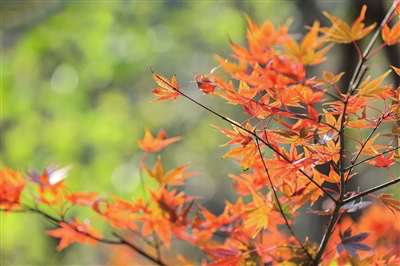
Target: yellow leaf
{"type": "Point", "coordinates": [340, 32]}
{"type": "Point", "coordinates": [369, 89]}
{"type": "Point", "coordinates": [257, 219]}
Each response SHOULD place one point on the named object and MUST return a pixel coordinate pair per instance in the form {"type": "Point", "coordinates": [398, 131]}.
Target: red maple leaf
{"type": "Point", "coordinates": [383, 162]}
{"type": "Point", "coordinates": [75, 232]}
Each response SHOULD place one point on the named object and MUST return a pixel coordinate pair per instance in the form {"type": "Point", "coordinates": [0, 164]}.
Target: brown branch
{"type": "Point", "coordinates": [368, 191]}
{"type": "Point", "coordinates": [358, 72]}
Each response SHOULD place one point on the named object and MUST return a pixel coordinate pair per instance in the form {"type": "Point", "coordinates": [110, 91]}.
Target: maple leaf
{"type": "Point", "coordinates": [266, 35]}
{"type": "Point", "coordinates": [297, 255]}
{"type": "Point", "coordinates": [333, 175]}
{"type": "Point", "coordinates": [11, 185]}
{"type": "Point", "coordinates": [330, 78]}
{"type": "Point", "coordinates": [211, 221]}
{"type": "Point", "coordinates": [76, 231]}
{"type": "Point", "coordinates": [244, 94]}
{"type": "Point", "coordinates": [82, 198]}
{"type": "Point", "coordinates": [306, 52]}
{"type": "Point", "coordinates": [391, 36]}
{"type": "Point", "coordinates": [248, 148]}
{"type": "Point", "coordinates": [121, 214]}
{"type": "Point", "coordinates": [155, 221]}
{"type": "Point", "coordinates": [341, 32]}
{"type": "Point", "coordinates": [370, 88]}
{"type": "Point", "coordinates": [257, 218]}
{"type": "Point", "coordinates": [382, 162]}
{"type": "Point", "coordinates": [174, 177]}
{"type": "Point", "coordinates": [370, 149]}
{"type": "Point", "coordinates": [151, 144]}
{"type": "Point", "coordinates": [392, 204]}
{"type": "Point", "coordinates": [359, 123]}
{"type": "Point", "coordinates": [168, 90]}
{"type": "Point", "coordinates": [352, 243]}
{"type": "Point", "coordinates": [355, 103]}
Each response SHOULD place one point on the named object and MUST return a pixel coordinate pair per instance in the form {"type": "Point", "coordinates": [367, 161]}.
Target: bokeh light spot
{"type": "Point", "coordinates": [64, 79]}
{"type": "Point", "coordinates": [160, 38]}
{"type": "Point", "coordinates": [125, 178]}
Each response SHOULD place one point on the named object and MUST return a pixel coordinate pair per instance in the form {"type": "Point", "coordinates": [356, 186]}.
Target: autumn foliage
{"type": "Point", "coordinates": [296, 125]}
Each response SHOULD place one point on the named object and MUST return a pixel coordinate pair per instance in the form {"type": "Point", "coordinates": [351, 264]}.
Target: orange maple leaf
{"type": "Point", "coordinates": [76, 231]}
{"type": "Point", "coordinates": [391, 36]}
{"type": "Point", "coordinates": [263, 37]}
{"type": "Point", "coordinates": [392, 204]}
{"type": "Point", "coordinates": [306, 52]}
{"type": "Point", "coordinates": [11, 185]}
{"type": "Point", "coordinates": [341, 32]}
{"type": "Point", "coordinates": [168, 90]}
{"type": "Point", "coordinates": [173, 177]}
{"type": "Point", "coordinates": [121, 214]}
{"type": "Point", "coordinates": [82, 198]}
{"type": "Point", "coordinates": [248, 148]}
{"type": "Point", "coordinates": [151, 144]}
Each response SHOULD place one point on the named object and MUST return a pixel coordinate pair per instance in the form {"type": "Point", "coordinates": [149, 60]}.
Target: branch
{"type": "Point", "coordinates": [138, 250]}
{"type": "Point", "coordinates": [120, 239]}
{"type": "Point", "coordinates": [280, 206]}
{"type": "Point", "coordinates": [358, 72]}
{"type": "Point", "coordinates": [354, 84]}
{"type": "Point", "coordinates": [372, 157]}
{"type": "Point", "coordinates": [366, 192]}
{"type": "Point", "coordinates": [246, 130]}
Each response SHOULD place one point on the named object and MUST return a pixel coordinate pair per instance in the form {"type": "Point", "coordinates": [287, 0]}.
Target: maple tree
{"type": "Point", "coordinates": [296, 124]}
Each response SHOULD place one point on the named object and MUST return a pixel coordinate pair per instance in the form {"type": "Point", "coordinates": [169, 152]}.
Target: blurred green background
{"type": "Point", "coordinates": [76, 88]}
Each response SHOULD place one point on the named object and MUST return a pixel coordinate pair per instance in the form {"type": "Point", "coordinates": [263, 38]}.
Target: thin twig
{"type": "Point", "coordinates": [246, 130]}
{"type": "Point", "coordinates": [368, 191]}
{"type": "Point", "coordinates": [279, 204]}
{"type": "Point", "coordinates": [120, 239]}
{"type": "Point", "coordinates": [360, 70]}
{"type": "Point", "coordinates": [372, 157]}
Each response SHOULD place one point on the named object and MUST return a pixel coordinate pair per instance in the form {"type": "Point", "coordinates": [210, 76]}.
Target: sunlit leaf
{"type": "Point", "coordinates": [341, 32]}
{"type": "Point", "coordinates": [168, 89]}
{"type": "Point", "coordinates": [151, 144]}
{"type": "Point", "coordinates": [370, 88]}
